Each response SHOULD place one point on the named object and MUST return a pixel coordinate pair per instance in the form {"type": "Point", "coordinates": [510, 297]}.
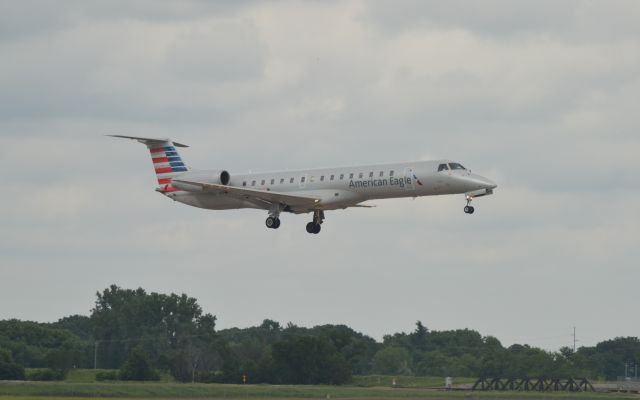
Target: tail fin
{"type": "Point", "coordinates": [166, 160]}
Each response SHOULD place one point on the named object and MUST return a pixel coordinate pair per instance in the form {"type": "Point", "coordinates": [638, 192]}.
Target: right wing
{"type": "Point", "coordinates": [248, 194]}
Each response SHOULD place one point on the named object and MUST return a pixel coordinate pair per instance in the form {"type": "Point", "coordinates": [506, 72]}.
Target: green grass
{"type": "Point", "coordinates": [81, 384]}
{"type": "Point", "coordinates": [89, 375]}
{"type": "Point", "coordinates": [61, 390]}
{"type": "Point", "coordinates": [407, 381]}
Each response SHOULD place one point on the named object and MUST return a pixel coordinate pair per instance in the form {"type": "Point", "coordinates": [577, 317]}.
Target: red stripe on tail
{"type": "Point", "coordinates": [168, 189]}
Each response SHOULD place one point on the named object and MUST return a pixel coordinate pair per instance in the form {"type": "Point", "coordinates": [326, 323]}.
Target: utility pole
{"type": "Point", "coordinates": [574, 339]}
{"type": "Point", "coordinates": [95, 354]}
{"type": "Point", "coordinates": [626, 368]}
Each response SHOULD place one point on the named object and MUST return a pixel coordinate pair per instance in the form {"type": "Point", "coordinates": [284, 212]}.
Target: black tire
{"type": "Point", "coordinates": [277, 224]}
{"type": "Point", "coordinates": [310, 227]}
{"type": "Point", "coordinates": [467, 209]}
{"type": "Point", "coordinates": [270, 222]}
{"type": "Point", "coordinates": [471, 210]}
{"type": "Point", "coordinates": [316, 229]}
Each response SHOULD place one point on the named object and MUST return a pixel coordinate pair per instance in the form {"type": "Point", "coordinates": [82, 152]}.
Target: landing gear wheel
{"type": "Point", "coordinates": [316, 229]}
{"type": "Point", "coordinates": [469, 209]}
{"type": "Point", "coordinates": [271, 222]}
{"type": "Point", "coordinates": [311, 227]}
{"type": "Point", "coordinates": [277, 225]}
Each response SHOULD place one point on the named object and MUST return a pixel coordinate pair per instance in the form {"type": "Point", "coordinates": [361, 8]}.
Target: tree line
{"type": "Point", "coordinates": [139, 335]}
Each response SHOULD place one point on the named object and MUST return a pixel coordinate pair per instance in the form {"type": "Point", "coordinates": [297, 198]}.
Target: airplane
{"type": "Point", "coordinates": [310, 190]}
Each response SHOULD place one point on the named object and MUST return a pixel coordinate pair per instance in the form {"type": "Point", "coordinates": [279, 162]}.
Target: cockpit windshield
{"type": "Point", "coordinates": [443, 167]}
{"type": "Point", "coordinates": [454, 166]}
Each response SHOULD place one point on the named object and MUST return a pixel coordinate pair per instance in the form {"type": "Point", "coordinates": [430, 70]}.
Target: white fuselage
{"type": "Point", "coordinates": [340, 187]}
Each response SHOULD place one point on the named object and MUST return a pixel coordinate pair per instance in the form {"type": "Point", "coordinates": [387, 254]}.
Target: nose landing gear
{"type": "Point", "coordinates": [468, 209]}
{"type": "Point", "coordinates": [314, 226]}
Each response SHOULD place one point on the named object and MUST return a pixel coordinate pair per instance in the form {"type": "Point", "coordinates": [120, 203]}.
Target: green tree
{"type": "Point", "coordinates": [174, 332]}
{"type": "Point", "coordinates": [419, 337]}
{"type": "Point", "coordinates": [138, 368]}
{"type": "Point", "coordinates": [9, 370]}
{"type": "Point", "coordinates": [309, 360]}
{"type": "Point", "coordinates": [60, 361]}
{"type": "Point", "coordinates": [392, 360]}
{"type": "Point", "coordinates": [434, 363]}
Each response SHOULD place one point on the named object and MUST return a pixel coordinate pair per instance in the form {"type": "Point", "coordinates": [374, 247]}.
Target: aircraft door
{"type": "Point", "coordinates": [409, 176]}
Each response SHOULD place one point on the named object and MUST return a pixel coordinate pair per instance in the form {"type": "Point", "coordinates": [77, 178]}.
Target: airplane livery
{"type": "Point", "coordinates": [307, 191]}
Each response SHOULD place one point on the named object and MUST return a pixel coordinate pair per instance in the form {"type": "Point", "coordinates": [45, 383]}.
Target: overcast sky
{"type": "Point", "coordinates": [540, 96]}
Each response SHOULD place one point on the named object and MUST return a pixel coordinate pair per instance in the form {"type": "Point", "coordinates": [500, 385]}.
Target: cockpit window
{"type": "Point", "coordinates": [442, 167]}
{"type": "Point", "coordinates": [454, 165]}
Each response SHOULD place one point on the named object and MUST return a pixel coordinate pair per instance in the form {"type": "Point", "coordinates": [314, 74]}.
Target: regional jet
{"type": "Point", "coordinates": [310, 190]}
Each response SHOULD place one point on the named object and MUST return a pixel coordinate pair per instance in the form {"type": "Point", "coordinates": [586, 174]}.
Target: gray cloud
{"type": "Point", "coordinates": [576, 20]}
{"type": "Point", "coordinates": [541, 98]}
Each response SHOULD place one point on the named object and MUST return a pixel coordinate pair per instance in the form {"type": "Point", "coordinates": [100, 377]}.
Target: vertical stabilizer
{"type": "Point", "coordinates": [166, 160]}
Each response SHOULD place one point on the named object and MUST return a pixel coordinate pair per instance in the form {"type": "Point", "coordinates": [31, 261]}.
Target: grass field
{"type": "Point", "coordinates": [81, 384]}
{"type": "Point", "coordinates": [406, 381]}
{"type": "Point", "coordinates": [116, 390]}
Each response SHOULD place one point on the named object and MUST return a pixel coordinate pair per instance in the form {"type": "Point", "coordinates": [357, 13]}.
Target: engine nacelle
{"type": "Point", "coordinates": [213, 177]}
{"type": "Point", "coordinates": [225, 177]}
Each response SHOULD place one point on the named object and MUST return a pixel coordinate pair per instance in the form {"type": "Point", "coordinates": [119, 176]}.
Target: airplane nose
{"type": "Point", "coordinates": [489, 184]}
{"type": "Point", "coordinates": [481, 182]}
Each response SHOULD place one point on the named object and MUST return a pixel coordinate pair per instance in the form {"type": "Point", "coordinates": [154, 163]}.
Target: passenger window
{"type": "Point", "coordinates": [262, 183]}
{"type": "Point", "coordinates": [322, 178]}
{"type": "Point", "coordinates": [360, 175]}
{"type": "Point", "coordinates": [331, 178]}
{"type": "Point", "coordinates": [442, 167]}
{"type": "Point", "coordinates": [371, 174]}
{"type": "Point", "coordinates": [302, 179]}
{"type": "Point", "coordinates": [351, 175]}
{"type": "Point", "coordinates": [341, 176]}
{"type": "Point", "coordinates": [455, 166]}
{"type": "Point", "coordinates": [381, 174]}
{"type": "Point", "coordinates": [244, 183]}
{"type": "Point", "coordinates": [273, 181]}
{"type": "Point", "coordinates": [291, 180]}
{"type": "Point", "coordinates": [281, 181]}
{"type": "Point", "coordinates": [391, 173]}
{"type": "Point", "coordinates": [253, 183]}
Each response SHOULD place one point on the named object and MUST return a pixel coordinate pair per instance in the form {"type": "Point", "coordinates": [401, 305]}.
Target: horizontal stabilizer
{"type": "Point", "coordinates": [149, 141]}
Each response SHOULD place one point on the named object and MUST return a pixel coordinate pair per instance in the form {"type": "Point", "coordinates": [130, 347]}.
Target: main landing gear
{"type": "Point", "coordinates": [273, 221]}
{"type": "Point", "coordinates": [469, 208]}
{"type": "Point", "coordinates": [314, 226]}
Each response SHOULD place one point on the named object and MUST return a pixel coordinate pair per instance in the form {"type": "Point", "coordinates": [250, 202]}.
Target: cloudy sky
{"type": "Point", "coordinates": [540, 96]}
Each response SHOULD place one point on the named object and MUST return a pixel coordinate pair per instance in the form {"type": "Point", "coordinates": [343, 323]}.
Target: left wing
{"type": "Point", "coordinates": [247, 194]}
